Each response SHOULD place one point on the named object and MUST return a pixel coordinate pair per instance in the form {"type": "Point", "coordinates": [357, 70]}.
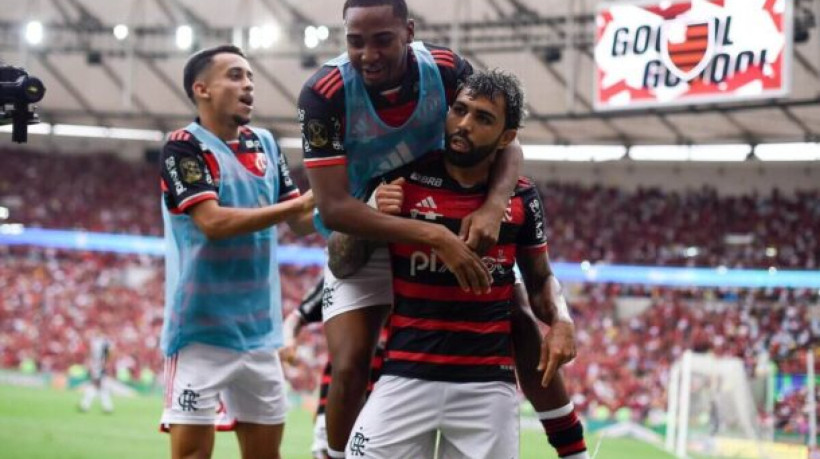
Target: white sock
{"type": "Point", "coordinates": [88, 397]}
{"type": "Point", "coordinates": [556, 413]}
{"type": "Point", "coordinates": [105, 400]}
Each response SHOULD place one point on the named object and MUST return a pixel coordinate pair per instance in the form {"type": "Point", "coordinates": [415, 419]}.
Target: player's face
{"type": "Point", "coordinates": [228, 88]}
{"type": "Point", "coordinates": [377, 44]}
{"type": "Point", "coordinates": [475, 129]}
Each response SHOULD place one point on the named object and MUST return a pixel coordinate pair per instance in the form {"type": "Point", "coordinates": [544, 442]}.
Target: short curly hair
{"type": "Point", "coordinates": [494, 83]}
{"type": "Point", "coordinates": [399, 6]}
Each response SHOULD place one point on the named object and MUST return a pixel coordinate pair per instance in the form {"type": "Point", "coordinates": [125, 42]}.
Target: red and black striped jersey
{"type": "Point", "coordinates": [197, 170]}
{"type": "Point", "coordinates": [438, 331]}
{"type": "Point", "coordinates": [322, 104]}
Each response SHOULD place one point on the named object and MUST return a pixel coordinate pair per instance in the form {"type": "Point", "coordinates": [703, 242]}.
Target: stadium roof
{"type": "Point", "coordinates": [89, 73]}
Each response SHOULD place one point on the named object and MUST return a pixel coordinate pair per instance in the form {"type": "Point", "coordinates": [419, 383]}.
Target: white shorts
{"type": "Point", "coordinates": [251, 385]}
{"type": "Point", "coordinates": [372, 285]}
{"type": "Point", "coordinates": [402, 416]}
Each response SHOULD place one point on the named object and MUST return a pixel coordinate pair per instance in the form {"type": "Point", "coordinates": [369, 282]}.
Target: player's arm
{"type": "Point", "coordinates": [347, 253]}
{"type": "Point", "coordinates": [291, 327]}
{"type": "Point", "coordinates": [341, 212]}
{"type": "Point", "coordinates": [301, 223]}
{"type": "Point", "coordinates": [480, 229]}
{"type": "Point", "coordinates": [309, 311]}
{"type": "Point", "coordinates": [218, 222]}
{"type": "Point", "coordinates": [545, 293]}
{"type": "Point", "coordinates": [543, 289]}
{"type": "Point", "coordinates": [192, 190]}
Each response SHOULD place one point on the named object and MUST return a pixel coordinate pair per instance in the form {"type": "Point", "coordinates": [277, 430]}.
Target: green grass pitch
{"type": "Point", "coordinates": [45, 424]}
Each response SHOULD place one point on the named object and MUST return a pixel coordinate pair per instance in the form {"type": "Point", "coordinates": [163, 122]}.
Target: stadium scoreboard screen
{"type": "Point", "coordinates": [661, 53]}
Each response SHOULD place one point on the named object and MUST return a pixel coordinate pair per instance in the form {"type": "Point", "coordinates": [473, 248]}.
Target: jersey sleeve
{"type": "Point", "coordinates": [311, 306]}
{"type": "Point", "coordinates": [287, 189]}
{"type": "Point", "coordinates": [533, 234]}
{"type": "Point", "coordinates": [454, 69]}
{"type": "Point", "coordinates": [320, 113]}
{"type": "Point", "coordinates": [185, 177]}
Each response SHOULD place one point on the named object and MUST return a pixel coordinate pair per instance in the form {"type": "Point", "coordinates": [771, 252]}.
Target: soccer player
{"type": "Point", "coordinates": [375, 108]}
{"type": "Point", "coordinates": [310, 311]}
{"type": "Point", "coordinates": [225, 186]}
{"type": "Point", "coordinates": [97, 361]}
{"type": "Point", "coordinates": [449, 365]}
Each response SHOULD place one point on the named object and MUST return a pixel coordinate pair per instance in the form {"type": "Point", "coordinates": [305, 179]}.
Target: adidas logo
{"type": "Point", "coordinates": [427, 208]}
{"type": "Point", "coordinates": [427, 202]}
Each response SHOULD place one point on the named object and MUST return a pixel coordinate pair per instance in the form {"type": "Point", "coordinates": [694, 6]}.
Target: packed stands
{"type": "Point", "coordinates": [54, 300]}
{"type": "Point", "coordinates": [648, 226]}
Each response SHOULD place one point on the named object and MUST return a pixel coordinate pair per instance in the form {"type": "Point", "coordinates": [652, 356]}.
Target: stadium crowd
{"type": "Point", "coordinates": [599, 224]}
{"type": "Point", "coordinates": [693, 228]}
{"type": "Point", "coordinates": [54, 300]}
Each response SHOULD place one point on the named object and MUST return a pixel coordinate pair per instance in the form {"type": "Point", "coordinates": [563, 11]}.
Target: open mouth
{"type": "Point", "coordinates": [459, 143]}
{"type": "Point", "coordinates": [247, 99]}
{"type": "Point", "coordinates": [372, 72]}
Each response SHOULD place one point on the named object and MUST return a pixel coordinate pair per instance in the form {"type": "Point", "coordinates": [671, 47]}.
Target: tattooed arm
{"type": "Point", "coordinates": [346, 253]}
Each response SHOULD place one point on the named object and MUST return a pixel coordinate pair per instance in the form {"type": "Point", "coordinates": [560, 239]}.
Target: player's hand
{"type": "Point", "coordinates": [287, 354]}
{"type": "Point", "coordinates": [480, 229]}
{"type": "Point", "coordinates": [463, 262]}
{"type": "Point", "coordinates": [307, 201]}
{"type": "Point", "coordinates": [390, 197]}
{"type": "Point", "coordinates": [557, 348]}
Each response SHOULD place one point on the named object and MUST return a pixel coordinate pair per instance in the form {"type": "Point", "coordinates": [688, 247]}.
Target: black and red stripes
{"type": "Point", "coordinates": [444, 58]}
{"type": "Point", "coordinates": [180, 135]}
{"type": "Point", "coordinates": [330, 84]}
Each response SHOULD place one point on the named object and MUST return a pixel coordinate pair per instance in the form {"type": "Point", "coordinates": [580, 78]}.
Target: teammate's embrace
{"type": "Point", "coordinates": [448, 364]}
{"type": "Point", "coordinates": [371, 110]}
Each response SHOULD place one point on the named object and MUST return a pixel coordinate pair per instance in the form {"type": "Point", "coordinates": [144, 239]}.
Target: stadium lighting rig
{"type": "Point", "coordinates": [120, 32]}
{"type": "Point", "coordinates": [788, 151]}
{"type": "Point", "coordinates": [184, 37]}
{"type": "Point", "coordinates": [795, 151]}
{"type": "Point", "coordinates": [34, 32]}
{"type": "Point", "coordinates": [264, 36]}
{"type": "Point", "coordinates": [769, 152]}
{"type": "Point", "coordinates": [315, 35]}
{"type": "Point", "coordinates": [580, 153]}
